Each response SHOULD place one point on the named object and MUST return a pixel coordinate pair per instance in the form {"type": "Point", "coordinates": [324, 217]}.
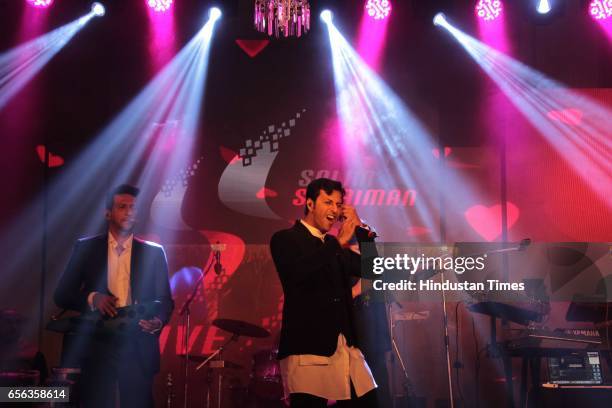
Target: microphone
{"type": "Point", "coordinates": [365, 233]}
{"type": "Point", "coordinates": [218, 266]}
{"type": "Point", "coordinates": [366, 229]}
{"type": "Point", "coordinates": [524, 244]}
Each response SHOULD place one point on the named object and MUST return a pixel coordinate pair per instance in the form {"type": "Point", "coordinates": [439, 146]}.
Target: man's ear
{"type": "Point", "coordinates": [107, 215]}
{"type": "Point", "coordinates": [309, 204]}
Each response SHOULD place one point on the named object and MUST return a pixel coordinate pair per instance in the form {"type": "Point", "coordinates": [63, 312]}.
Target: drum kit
{"type": "Point", "coordinates": [265, 385]}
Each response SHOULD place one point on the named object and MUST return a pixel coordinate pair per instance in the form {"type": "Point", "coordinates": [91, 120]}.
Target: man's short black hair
{"type": "Point", "coordinates": [328, 185]}
{"type": "Point", "coordinates": [122, 189]}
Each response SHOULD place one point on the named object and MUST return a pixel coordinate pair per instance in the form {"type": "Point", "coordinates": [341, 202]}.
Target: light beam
{"type": "Point", "coordinates": [543, 7]}
{"type": "Point", "coordinates": [136, 147]}
{"type": "Point", "coordinates": [586, 145]}
{"type": "Point", "coordinates": [378, 132]}
{"type": "Point", "coordinates": [19, 65]}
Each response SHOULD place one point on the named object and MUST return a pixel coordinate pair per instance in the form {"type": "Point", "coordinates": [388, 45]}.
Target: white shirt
{"type": "Point", "coordinates": [119, 271]}
{"type": "Point", "coordinates": [314, 231]}
{"type": "Point", "coordinates": [327, 377]}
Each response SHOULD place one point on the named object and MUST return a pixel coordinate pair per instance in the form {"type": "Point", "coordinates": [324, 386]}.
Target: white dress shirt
{"type": "Point", "coordinates": [119, 270]}
{"type": "Point", "coordinates": [327, 377]}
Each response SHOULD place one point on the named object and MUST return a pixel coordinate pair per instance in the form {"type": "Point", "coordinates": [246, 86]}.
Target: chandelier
{"type": "Point", "coordinates": [282, 17]}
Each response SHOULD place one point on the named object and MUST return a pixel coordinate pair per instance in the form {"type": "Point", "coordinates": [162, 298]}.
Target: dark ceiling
{"type": "Point", "coordinates": [106, 64]}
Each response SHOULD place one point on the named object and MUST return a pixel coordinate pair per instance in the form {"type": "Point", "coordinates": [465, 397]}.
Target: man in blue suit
{"type": "Point", "coordinates": [108, 272]}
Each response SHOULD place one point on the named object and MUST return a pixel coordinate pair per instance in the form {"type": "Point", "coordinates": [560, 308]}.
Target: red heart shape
{"type": "Point", "coordinates": [252, 47]}
{"type": "Point", "coordinates": [54, 160]}
{"type": "Point", "coordinates": [486, 221]}
{"type": "Point", "coordinates": [228, 155]}
{"type": "Point", "coordinates": [447, 152]}
{"type": "Point", "coordinates": [569, 116]}
{"type": "Point", "coordinates": [266, 192]}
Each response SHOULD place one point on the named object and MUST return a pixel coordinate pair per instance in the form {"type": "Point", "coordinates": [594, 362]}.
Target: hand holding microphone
{"type": "Point", "coordinates": [350, 221]}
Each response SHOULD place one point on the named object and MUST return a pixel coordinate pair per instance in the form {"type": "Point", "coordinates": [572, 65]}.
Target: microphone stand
{"type": "Point", "coordinates": [365, 234]}
{"type": "Point", "coordinates": [220, 382]}
{"type": "Point", "coordinates": [185, 311]}
{"type": "Point", "coordinates": [447, 343]}
{"type": "Point", "coordinates": [523, 244]}
{"type": "Point", "coordinates": [406, 384]}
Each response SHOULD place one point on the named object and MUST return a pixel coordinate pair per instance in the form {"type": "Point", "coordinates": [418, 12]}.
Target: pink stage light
{"type": "Point", "coordinates": [160, 6]}
{"type": "Point", "coordinates": [600, 9]}
{"type": "Point", "coordinates": [40, 3]}
{"type": "Point", "coordinates": [371, 39]}
{"type": "Point", "coordinates": [378, 9]}
{"type": "Point", "coordinates": [488, 10]}
{"type": "Point", "coordinates": [162, 38]}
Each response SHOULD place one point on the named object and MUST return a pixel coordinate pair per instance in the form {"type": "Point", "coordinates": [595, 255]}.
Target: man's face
{"type": "Point", "coordinates": [122, 216]}
{"type": "Point", "coordinates": [324, 212]}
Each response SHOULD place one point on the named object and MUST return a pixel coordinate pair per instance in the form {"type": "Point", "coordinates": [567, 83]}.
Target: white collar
{"type": "Point", "coordinates": [127, 244]}
{"type": "Point", "coordinates": [314, 231]}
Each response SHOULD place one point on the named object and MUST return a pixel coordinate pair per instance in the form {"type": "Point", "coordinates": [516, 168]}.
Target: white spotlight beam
{"type": "Point", "coordinates": [439, 19]}
{"type": "Point", "coordinates": [185, 111]}
{"type": "Point", "coordinates": [543, 6]}
{"type": "Point", "coordinates": [174, 95]}
{"type": "Point", "coordinates": [215, 14]}
{"type": "Point", "coordinates": [19, 65]}
{"type": "Point", "coordinates": [586, 146]}
{"type": "Point", "coordinates": [327, 16]}
{"type": "Point", "coordinates": [374, 117]}
{"type": "Point", "coordinates": [116, 154]}
{"type": "Point", "coordinates": [98, 9]}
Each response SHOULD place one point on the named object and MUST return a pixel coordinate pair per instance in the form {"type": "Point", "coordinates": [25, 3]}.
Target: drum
{"type": "Point", "coordinates": [266, 381]}
{"type": "Point", "coordinates": [20, 378]}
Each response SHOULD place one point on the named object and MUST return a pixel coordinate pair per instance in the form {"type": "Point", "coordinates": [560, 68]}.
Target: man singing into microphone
{"type": "Point", "coordinates": [107, 272]}
{"type": "Point", "coordinates": [319, 355]}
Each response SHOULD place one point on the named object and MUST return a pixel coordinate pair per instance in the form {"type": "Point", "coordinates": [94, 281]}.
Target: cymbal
{"type": "Point", "coordinates": [241, 328]}
{"type": "Point", "coordinates": [198, 358]}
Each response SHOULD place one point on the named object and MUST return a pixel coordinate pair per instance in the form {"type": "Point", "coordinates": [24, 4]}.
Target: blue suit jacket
{"type": "Point", "coordinates": [87, 272]}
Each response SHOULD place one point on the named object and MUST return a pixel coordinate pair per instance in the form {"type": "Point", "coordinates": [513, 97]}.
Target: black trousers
{"type": "Point", "coordinates": [112, 365]}
{"type": "Point", "coordinates": [300, 400]}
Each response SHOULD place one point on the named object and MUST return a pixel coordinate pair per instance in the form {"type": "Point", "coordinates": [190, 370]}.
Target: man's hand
{"type": "Point", "coordinates": [106, 304]}
{"type": "Point", "coordinates": [151, 326]}
{"type": "Point", "coordinates": [351, 221]}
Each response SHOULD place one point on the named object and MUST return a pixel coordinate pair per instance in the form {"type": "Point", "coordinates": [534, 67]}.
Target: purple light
{"type": "Point", "coordinates": [378, 9]}
{"type": "Point", "coordinates": [488, 10]}
{"type": "Point", "coordinates": [40, 3]}
{"type": "Point", "coordinates": [159, 6]}
{"type": "Point", "coordinates": [600, 9]}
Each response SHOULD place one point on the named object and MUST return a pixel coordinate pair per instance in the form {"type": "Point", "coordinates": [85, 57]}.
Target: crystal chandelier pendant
{"type": "Point", "coordinates": [282, 17]}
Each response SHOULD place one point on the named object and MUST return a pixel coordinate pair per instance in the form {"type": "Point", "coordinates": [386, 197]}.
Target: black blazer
{"type": "Point", "coordinates": [87, 272]}
{"type": "Point", "coordinates": [316, 280]}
